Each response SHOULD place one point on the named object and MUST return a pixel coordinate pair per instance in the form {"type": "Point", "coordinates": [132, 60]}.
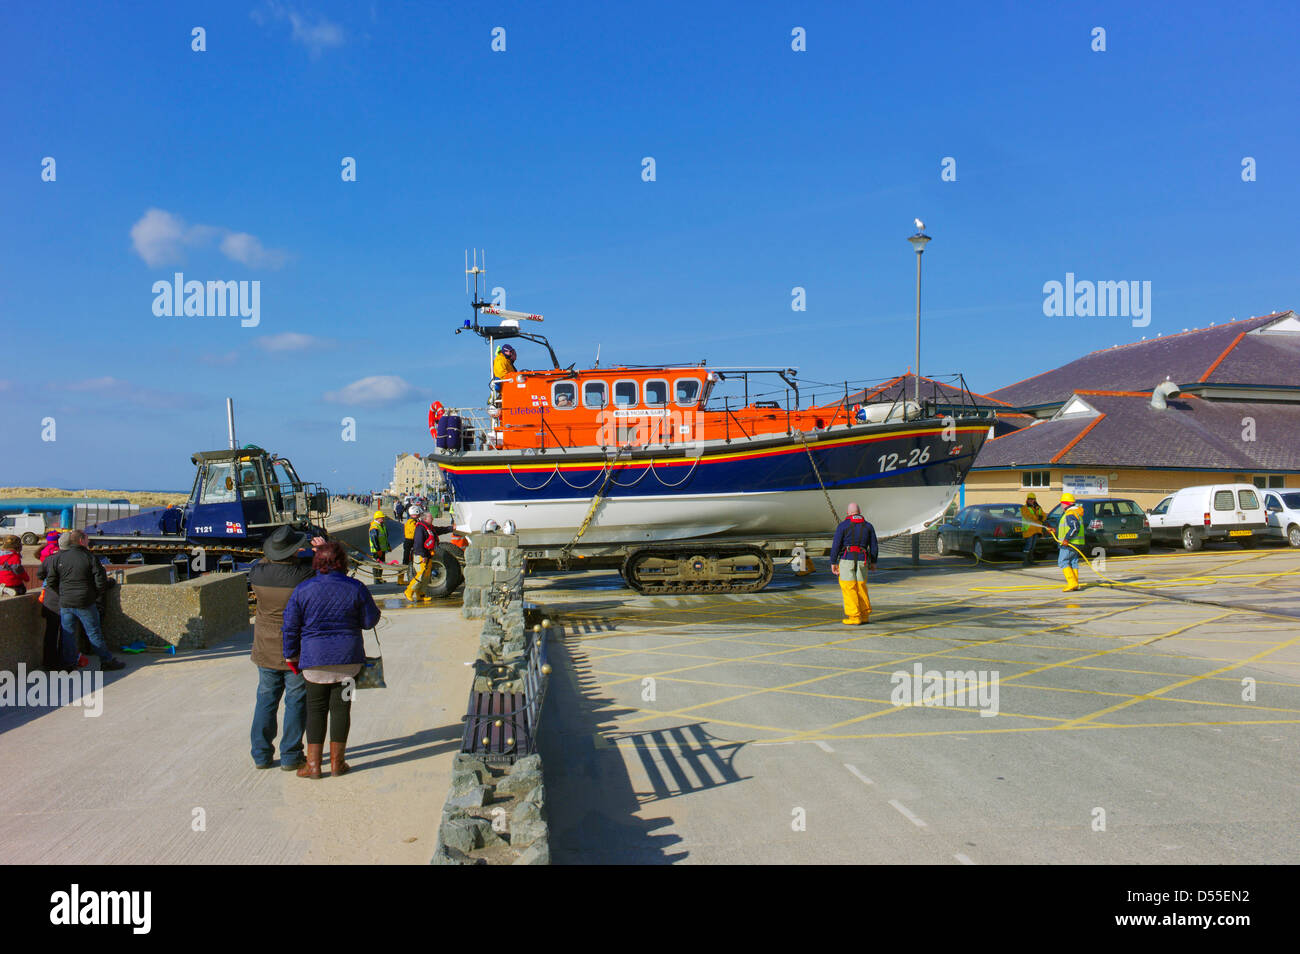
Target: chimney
{"type": "Point", "coordinates": [1165, 390]}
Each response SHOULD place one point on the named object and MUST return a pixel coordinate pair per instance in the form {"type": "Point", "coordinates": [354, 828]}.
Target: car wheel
{"type": "Point", "coordinates": [1191, 542]}
{"type": "Point", "coordinates": [29, 539]}
{"type": "Point", "coordinates": [941, 545]}
{"type": "Point", "coordinates": [978, 551]}
{"type": "Point", "coordinates": [1293, 534]}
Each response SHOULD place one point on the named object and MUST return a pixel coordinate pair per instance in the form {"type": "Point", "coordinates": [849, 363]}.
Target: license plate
{"type": "Point", "coordinates": [1238, 533]}
{"type": "Point", "coordinates": [1127, 536]}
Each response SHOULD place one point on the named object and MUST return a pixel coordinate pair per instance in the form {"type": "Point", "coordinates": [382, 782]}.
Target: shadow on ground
{"type": "Point", "coordinates": [591, 802]}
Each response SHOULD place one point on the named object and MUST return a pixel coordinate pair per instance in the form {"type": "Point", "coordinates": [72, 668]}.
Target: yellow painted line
{"type": "Point", "coordinates": [1184, 682]}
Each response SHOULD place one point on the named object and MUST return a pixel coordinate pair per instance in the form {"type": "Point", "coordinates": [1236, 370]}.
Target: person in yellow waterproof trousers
{"type": "Point", "coordinates": [853, 552]}
{"type": "Point", "coordinates": [1069, 536]}
{"type": "Point", "coordinates": [424, 545]}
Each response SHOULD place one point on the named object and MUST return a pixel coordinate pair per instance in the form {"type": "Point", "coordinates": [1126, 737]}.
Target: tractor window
{"type": "Point", "coordinates": [624, 393]}
{"type": "Point", "coordinates": [1223, 500]}
{"type": "Point", "coordinates": [250, 484]}
{"type": "Point", "coordinates": [593, 394]}
{"type": "Point", "coordinates": [564, 395]}
{"type": "Point", "coordinates": [219, 483]}
{"type": "Point", "coordinates": [656, 393]}
{"type": "Point", "coordinates": [687, 391]}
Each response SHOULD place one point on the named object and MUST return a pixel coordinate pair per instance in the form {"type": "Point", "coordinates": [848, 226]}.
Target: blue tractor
{"type": "Point", "coordinates": [240, 497]}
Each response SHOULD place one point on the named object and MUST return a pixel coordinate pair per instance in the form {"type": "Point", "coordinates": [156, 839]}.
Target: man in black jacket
{"type": "Point", "coordinates": [79, 579]}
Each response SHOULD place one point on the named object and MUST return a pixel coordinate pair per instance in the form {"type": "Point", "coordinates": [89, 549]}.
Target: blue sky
{"type": "Point", "coordinates": [774, 169]}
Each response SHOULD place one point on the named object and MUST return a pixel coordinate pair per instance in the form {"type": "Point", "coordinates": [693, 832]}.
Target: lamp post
{"type": "Point", "coordinates": [918, 242]}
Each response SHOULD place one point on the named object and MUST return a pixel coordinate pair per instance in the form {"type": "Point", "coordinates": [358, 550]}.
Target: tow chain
{"type": "Point", "coordinates": [818, 475]}
{"type": "Point", "coordinates": [563, 560]}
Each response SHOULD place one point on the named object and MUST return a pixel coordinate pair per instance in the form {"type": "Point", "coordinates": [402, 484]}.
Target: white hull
{"type": "Point", "coordinates": [627, 520]}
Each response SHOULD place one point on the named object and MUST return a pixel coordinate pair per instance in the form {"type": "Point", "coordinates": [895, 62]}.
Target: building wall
{"type": "Point", "coordinates": [1147, 487]}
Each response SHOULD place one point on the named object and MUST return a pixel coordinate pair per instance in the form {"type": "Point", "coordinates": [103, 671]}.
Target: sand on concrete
{"type": "Point", "coordinates": [164, 775]}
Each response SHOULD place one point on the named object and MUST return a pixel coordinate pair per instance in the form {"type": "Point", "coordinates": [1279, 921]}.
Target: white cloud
{"type": "Point", "coordinates": [379, 389]}
{"type": "Point", "coordinates": [161, 237]}
{"type": "Point", "coordinates": [311, 30]}
{"type": "Point", "coordinates": [242, 247]}
{"type": "Point", "coordinates": [291, 341]}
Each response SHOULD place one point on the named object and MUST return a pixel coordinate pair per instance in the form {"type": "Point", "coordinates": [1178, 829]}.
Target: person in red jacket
{"type": "Point", "coordinates": [12, 573]}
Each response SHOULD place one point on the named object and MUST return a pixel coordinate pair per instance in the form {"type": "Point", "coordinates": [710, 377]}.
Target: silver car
{"type": "Point", "coordinates": [1282, 508]}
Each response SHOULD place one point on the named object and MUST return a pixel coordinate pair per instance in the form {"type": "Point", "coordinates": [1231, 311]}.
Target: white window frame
{"type": "Point", "coordinates": [604, 386]}
{"type": "Point", "coordinates": [571, 384]}
{"type": "Point", "coordinates": [636, 396]}
{"type": "Point", "coordinates": [645, 390]}
{"type": "Point", "coordinates": [699, 387]}
{"type": "Point", "coordinates": [1036, 479]}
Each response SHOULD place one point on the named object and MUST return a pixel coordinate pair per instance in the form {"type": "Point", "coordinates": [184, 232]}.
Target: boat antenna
{"type": "Point", "coordinates": [597, 364]}
{"type": "Point", "coordinates": [230, 422]}
{"type": "Point", "coordinates": [476, 302]}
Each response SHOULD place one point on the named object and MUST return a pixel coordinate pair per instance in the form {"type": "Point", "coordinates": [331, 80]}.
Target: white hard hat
{"type": "Point", "coordinates": [414, 511]}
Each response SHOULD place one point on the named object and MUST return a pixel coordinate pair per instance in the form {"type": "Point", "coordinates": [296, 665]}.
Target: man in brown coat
{"type": "Point", "coordinates": [273, 578]}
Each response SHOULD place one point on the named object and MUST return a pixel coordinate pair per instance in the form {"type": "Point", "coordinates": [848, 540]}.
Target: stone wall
{"type": "Point", "coordinates": [495, 813]}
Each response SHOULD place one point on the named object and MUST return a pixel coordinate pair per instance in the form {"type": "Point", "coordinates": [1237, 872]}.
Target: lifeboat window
{"type": "Point", "coordinates": [564, 395]}
{"type": "Point", "coordinates": [688, 391]}
{"type": "Point", "coordinates": [593, 394]}
{"type": "Point", "coordinates": [656, 393]}
{"type": "Point", "coordinates": [624, 393]}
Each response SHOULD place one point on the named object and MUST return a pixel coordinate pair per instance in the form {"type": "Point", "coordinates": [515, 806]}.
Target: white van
{"type": "Point", "coordinates": [1210, 512]}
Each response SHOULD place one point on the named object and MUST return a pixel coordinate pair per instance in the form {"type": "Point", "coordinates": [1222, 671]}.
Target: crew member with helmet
{"type": "Point", "coordinates": [503, 366]}
{"type": "Point", "coordinates": [1069, 536]}
{"type": "Point", "coordinates": [408, 534]}
{"type": "Point", "coordinates": [424, 543]}
{"type": "Point", "coordinates": [1031, 527]}
{"type": "Point", "coordinates": [378, 543]}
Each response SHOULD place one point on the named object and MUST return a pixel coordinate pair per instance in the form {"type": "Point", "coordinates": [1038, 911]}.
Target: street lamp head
{"type": "Point", "coordinates": [920, 238]}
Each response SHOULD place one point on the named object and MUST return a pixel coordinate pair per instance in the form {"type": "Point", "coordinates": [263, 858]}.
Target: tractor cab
{"type": "Point", "coordinates": [237, 492]}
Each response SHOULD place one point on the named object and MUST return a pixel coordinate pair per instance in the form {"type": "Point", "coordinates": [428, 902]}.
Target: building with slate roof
{"type": "Point", "coordinates": [1098, 428]}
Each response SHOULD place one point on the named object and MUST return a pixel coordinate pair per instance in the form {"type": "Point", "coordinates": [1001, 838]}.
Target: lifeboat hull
{"type": "Point", "coordinates": [903, 475]}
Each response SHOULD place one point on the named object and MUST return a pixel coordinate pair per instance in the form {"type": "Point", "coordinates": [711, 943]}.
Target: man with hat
{"type": "Point", "coordinates": [1031, 528]}
{"type": "Point", "coordinates": [284, 565]}
{"type": "Point", "coordinates": [1069, 536]}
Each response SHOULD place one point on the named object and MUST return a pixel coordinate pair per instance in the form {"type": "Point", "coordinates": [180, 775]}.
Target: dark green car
{"type": "Point", "coordinates": [1112, 523]}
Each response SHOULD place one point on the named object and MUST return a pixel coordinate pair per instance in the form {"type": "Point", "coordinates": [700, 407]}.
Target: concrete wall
{"type": "Point", "coordinates": [192, 614]}
{"type": "Point", "coordinates": [22, 630]}
{"type": "Point", "coordinates": [1147, 487]}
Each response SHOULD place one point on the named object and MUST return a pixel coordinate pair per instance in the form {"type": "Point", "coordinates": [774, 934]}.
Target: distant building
{"type": "Point", "coordinates": [413, 474]}
{"type": "Point", "coordinates": [1100, 425]}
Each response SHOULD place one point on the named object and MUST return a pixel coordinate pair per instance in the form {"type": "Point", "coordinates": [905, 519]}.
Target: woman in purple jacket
{"type": "Point", "coordinates": [323, 621]}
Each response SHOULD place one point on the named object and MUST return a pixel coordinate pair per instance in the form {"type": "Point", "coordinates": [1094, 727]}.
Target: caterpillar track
{"type": "Point", "coordinates": [672, 569]}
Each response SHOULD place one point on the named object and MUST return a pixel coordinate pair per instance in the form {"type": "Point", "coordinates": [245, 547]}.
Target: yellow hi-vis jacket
{"type": "Point", "coordinates": [502, 367]}
{"type": "Point", "coordinates": [1031, 520]}
{"type": "Point", "coordinates": [408, 528]}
